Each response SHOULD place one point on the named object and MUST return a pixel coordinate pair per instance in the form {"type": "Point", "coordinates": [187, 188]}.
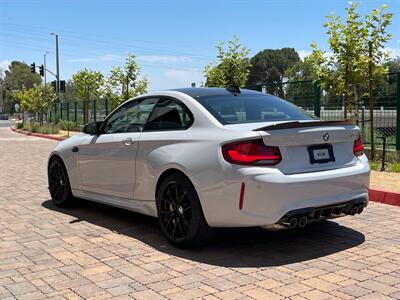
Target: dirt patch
{"type": "Point", "coordinates": [385, 181]}
{"type": "Point", "coordinates": [64, 133]}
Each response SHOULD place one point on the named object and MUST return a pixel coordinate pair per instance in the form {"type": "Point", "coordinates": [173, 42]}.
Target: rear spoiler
{"type": "Point", "coordinates": [297, 124]}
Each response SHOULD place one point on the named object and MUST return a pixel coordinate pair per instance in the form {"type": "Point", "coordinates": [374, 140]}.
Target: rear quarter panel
{"type": "Point", "coordinates": [196, 152]}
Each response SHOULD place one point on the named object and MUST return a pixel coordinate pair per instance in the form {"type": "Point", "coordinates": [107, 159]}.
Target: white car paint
{"type": "Point", "coordinates": [108, 171]}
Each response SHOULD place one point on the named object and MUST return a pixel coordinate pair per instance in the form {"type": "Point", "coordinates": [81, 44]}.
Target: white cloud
{"type": "Point", "coordinates": [111, 57]}
{"type": "Point", "coordinates": [140, 58]}
{"type": "Point", "coordinates": [175, 78]}
{"type": "Point", "coordinates": [393, 52]}
{"type": "Point", "coordinates": [180, 74]}
{"type": "Point", "coordinates": [164, 58]}
{"type": "Point", "coordinates": [4, 66]}
{"type": "Point", "coordinates": [106, 57]}
{"type": "Point", "coordinates": [303, 53]}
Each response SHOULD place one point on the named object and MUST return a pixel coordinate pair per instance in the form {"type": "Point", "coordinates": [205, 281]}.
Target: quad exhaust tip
{"type": "Point", "coordinates": [354, 210]}
{"type": "Point", "coordinates": [303, 222]}
{"type": "Point", "coordinates": [292, 223]}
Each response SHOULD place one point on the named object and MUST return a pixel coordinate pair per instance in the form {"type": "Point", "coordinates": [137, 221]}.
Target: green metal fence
{"type": "Point", "coordinates": [74, 111]}
{"type": "Point", "coordinates": [305, 94]}
{"type": "Point", "coordinates": [309, 96]}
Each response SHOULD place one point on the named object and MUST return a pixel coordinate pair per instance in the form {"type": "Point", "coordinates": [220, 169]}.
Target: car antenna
{"type": "Point", "coordinates": [234, 89]}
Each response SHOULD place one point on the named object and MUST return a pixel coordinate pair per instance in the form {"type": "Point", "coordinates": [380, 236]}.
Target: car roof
{"type": "Point", "coordinates": [200, 92]}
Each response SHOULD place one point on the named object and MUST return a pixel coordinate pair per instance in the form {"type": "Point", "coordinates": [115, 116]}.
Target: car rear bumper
{"type": "Point", "coordinates": [270, 196]}
{"type": "Point", "coordinates": [295, 217]}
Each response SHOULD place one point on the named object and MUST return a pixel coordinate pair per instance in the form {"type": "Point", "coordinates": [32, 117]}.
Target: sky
{"type": "Point", "coordinates": [173, 40]}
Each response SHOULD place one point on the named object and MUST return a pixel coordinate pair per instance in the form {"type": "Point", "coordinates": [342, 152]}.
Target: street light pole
{"type": "Point", "coordinates": [58, 79]}
{"type": "Point", "coordinates": [58, 68]}
{"type": "Point", "coordinates": [45, 68]}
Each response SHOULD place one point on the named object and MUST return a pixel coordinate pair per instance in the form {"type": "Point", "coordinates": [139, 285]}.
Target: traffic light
{"type": "Point", "coordinates": [41, 70]}
{"type": "Point", "coordinates": [33, 68]}
{"type": "Point", "coordinates": [62, 86]}
{"type": "Point", "coordinates": [54, 85]}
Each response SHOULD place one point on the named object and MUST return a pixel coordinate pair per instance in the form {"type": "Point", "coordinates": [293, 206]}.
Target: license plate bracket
{"type": "Point", "coordinates": [320, 154]}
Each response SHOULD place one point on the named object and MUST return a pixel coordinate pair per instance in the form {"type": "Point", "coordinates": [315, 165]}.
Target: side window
{"type": "Point", "coordinates": [130, 117]}
{"type": "Point", "coordinates": [169, 114]}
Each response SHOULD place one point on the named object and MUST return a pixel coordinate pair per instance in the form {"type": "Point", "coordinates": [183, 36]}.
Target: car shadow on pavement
{"type": "Point", "coordinates": [243, 247]}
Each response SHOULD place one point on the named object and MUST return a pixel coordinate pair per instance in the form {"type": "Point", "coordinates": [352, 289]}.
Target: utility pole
{"type": "Point", "coordinates": [57, 69]}
{"type": "Point", "coordinates": [45, 68]}
{"type": "Point", "coordinates": [56, 105]}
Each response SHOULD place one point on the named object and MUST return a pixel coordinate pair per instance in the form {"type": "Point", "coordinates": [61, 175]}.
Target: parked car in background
{"type": "Point", "coordinates": [3, 117]}
{"type": "Point", "coordinates": [203, 158]}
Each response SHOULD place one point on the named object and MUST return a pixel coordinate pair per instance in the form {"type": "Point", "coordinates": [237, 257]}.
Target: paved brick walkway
{"type": "Point", "coordinates": [96, 251]}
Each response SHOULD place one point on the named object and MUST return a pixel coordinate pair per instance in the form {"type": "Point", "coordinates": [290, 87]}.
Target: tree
{"type": "Point", "coordinates": [301, 70]}
{"type": "Point", "coordinates": [393, 65]}
{"type": "Point", "coordinates": [36, 99]}
{"type": "Point", "coordinates": [232, 68]}
{"type": "Point", "coordinates": [71, 93]}
{"type": "Point", "coordinates": [300, 90]}
{"type": "Point", "coordinates": [88, 84]}
{"type": "Point", "coordinates": [125, 83]}
{"type": "Point", "coordinates": [344, 70]}
{"type": "Point", "coordinates": [17, 77]}
{"type": "Point", "coordinates": [270, 66]}
{"type": "Point", "coordinates": [376, 36]}
{"type": "Point", "coordinates": [357, 57]}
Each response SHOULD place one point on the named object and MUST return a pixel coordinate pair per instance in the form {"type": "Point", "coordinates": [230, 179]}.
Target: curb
{"type": "Point", "coordinates": [391, 198]}
{"type": "Point", "coordinates": [45, 136]}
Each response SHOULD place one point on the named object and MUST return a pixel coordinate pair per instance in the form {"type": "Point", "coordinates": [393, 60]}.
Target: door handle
{"type": "Point", "coordinates": [128, 141]}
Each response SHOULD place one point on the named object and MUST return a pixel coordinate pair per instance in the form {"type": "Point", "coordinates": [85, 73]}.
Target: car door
{"type": "Point", "coordinates": [164, 132]}
{"type": "Point", "coordinates": [107, 161]}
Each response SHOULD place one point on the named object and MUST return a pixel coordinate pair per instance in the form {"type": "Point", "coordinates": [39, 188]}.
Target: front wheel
{"type": "Point", "coordinates": [180, 214]}
{"type": "Point", "coordinates": [59, 186]}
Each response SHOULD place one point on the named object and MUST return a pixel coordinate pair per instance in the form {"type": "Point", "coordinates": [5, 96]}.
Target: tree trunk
{"type": "Point", "coordinates": [356, 103]}
{"type": "Point", "coordinates": [346, 91]}
{"type": "Point", "coordinates": [127, 88]}
{"type": "Point", "coordinates": [371, 102]}
{"type": "Point", "coordinates": [86, 108]}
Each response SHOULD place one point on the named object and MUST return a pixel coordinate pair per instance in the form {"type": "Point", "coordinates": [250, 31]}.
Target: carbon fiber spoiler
{"type": "Point", "coordinates": [297, 124]}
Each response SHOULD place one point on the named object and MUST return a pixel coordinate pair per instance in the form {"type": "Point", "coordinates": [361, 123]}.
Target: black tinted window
{"type": "Point", "coordinates": [130, 117]}
{"type": "Point", "coordinates": [169, 114]}
{"type": "Point", "coordinates": [245, 108]}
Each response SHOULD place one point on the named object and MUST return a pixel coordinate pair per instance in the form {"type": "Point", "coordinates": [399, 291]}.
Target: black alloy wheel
{"type": "Point", "coordinates": [59, 186]}
{"type": "Point", "coordinates": [179, 213]}
{"type": "Point", "coordinates": [175, 210]}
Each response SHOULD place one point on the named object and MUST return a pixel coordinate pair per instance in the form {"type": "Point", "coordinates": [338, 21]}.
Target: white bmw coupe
{"type": "Point", "coordinates": [201, 158]}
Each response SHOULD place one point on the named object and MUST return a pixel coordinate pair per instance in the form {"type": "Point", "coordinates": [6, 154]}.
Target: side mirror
{"type": "Point", "coordinates": [92, 128]}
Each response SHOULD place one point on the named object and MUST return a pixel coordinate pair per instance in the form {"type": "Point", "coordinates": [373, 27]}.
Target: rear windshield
{"type": "Point", "coordinates": [250, 108]}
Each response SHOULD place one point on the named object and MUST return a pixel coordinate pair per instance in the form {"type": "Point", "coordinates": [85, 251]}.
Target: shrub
{"type": "Point", "coordinates": [395, 168]}
{"type": "Point", "coordinates": [19, 125]}
{"type": "Point", "coordinates": [44, 129]}
{"type": "Point", "coordinates": [374, 165]}
{"type": "Point", "coordinates": [34, 127]}
{"type": "Point", "coordinates": [67, 125]}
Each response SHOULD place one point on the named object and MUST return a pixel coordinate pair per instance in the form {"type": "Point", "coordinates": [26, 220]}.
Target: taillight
{"type": "Point", "coordinates": [358, 148]}
{"type": "Point", "coordinates": [250, 153]}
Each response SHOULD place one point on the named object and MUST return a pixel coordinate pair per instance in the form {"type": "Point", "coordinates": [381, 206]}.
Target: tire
{"type": "Point", "coordinates": [59, 186]}
{"type": "Point", "coordinates": [180, 215]}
